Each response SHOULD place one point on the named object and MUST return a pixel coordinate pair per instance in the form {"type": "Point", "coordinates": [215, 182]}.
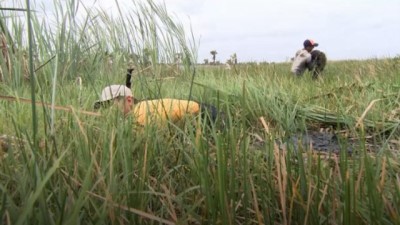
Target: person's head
{"type": "Point", "coordinates": [118, 95]}
{"type": "Point", "coordinates": [309, 45]}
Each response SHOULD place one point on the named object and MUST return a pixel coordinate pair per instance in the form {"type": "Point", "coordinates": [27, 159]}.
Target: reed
{"type": "Point", "coordinates": [67, 164]}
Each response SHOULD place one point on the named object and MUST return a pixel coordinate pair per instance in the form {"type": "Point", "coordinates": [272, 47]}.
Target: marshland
{"type": "Point", "coordinates": [288, 150]}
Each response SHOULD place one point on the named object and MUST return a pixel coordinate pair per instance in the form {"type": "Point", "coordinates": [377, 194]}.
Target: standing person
{"type": "Point", "coordinates": [303, 58]}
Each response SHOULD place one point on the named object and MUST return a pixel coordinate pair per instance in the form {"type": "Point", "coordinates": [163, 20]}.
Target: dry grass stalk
{"type": "Point", "coordinates": [170, 206]}
{"type": "Point", "coordinates": [265, 125]}
{"type": "Point", "coordinates": [295, 191]}
{"type": "Point", "coordinates": [255, 202]}
{"type": "Point", "coordinates": [80, 124]}
{"type": "Point", "coordinates": [133, 210]}
{"type": "Point", "coordinates": [311, 192]}
{"type": "Point", "coordinates": [360, 177]}
{"type": "Point", "coordinates": [25, 67]}
{"type": "Point", "coordinates": [361, 119]}
{"type": "Point", "coordinates": [5, 52]}
{"type": "Point", "coordinates": [325, 191]}
{"type": "Point", "coordinates": [281, 173]}
{"type": "Point", "coordinates": [62, 108]}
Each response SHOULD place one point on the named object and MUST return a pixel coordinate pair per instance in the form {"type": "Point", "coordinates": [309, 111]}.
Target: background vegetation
{"type": "Point", "coordinates": [68, 167]}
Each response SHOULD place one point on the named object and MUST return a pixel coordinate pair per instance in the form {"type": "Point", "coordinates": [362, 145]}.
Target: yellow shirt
{"type": "Point", "coordinates": [161, 110]}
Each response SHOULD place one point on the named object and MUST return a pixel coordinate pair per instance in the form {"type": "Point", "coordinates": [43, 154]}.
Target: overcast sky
{"type": "Point", "coordinates": [266, 30]}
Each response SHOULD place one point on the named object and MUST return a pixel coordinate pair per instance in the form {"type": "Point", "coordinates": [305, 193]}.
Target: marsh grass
{"type": "Point", "coordinates": [102, 169]}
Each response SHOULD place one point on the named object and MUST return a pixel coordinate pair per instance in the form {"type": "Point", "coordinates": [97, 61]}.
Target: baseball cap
{"type": "Point", "coordinates": [310, 42]}
{"type": "Point", "coordinates": [114, 91]}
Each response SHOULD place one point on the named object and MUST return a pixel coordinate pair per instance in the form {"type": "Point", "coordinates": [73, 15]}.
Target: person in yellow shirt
{"type": "Point", "coordinates": [117, 95]}
{"type": "Point", "coordinates": [157, 111]}
{"type": "Point", "coordinates": [163, 110]}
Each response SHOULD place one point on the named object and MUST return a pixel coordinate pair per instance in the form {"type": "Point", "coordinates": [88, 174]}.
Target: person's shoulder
{"type": "Point", "coordinates": [302, 53]}
{"type": "Point", "coordinates": [149, 101]}
{"type": "Point", "coordinates": [161, 102]}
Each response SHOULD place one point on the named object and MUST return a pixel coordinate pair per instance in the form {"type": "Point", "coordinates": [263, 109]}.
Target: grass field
{"type": "Point", "coordinates": [68, 167]}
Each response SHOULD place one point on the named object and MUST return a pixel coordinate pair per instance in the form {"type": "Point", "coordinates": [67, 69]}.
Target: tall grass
{"type": "Point", "coordinates": [102, 169]}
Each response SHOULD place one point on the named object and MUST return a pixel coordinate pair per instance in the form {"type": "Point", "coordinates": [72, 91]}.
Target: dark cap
{"type": "Point", "coordinates": [310, 43]}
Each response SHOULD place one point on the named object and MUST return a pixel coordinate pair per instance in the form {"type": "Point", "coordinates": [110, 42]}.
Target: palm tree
{"type": "Point", "coordinates": [213, 53]}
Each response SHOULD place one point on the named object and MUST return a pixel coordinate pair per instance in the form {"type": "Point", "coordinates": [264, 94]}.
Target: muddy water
{"type": "Point", "coordinates": [322, 141]}
{"type": "Point", "coordinates": [319, 141]}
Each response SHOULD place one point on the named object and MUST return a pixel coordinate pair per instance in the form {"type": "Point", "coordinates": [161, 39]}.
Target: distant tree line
{"type": "Point", "coordinates": [231, 61]}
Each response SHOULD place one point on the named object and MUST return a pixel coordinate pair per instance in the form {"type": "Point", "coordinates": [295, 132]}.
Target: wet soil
{"type": "Point", "coordinates": [324, 142]}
